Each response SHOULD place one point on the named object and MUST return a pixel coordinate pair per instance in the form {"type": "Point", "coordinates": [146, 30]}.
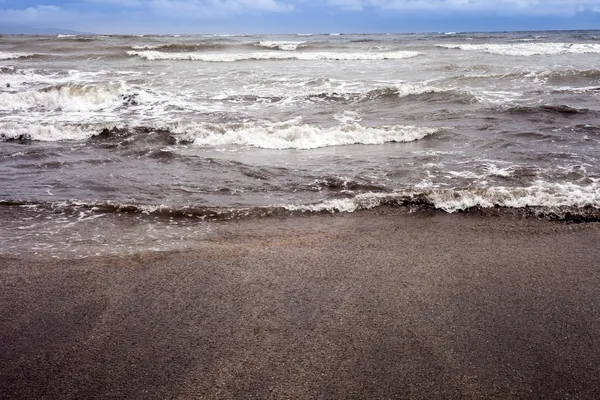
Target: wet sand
{"type": "Point", "coordinates": [370, 305]}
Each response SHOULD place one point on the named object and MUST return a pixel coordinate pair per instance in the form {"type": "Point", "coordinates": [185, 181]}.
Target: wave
{"type": "Point", "coordinates": [76, 38]}
{"type": "Point", "coordinates": [69, 97]}
{"type": "Point", "coordinates": [422, 93]}
{"type": "Point", "coordinates": [573, 77]}
{"type": "Point", "coordinates": [152, 55]}
{"type": "Point", "coordinates": [15, 56]}
{"type": "Point", "coordinates": [179, 47]}
{"type": "Point", "coordinates": [560, 109]}
{"type": "Point", "coordinates": [19, 132]}
{"type": "Point", "coordinates": [527, 49]}
{"type": "Point", "coordinates": [266, 135]}
{"type": "Point", "coordinates": [280, 45]}
{"type": "Point", "coordinates": [399, 92]}
{"type": "Point", "coordinates": [555, 201]}
{"type": "Point", "coordinates": [294, 135]}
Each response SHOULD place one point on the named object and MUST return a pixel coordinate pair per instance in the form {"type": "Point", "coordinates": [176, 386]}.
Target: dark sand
{"type": "Point", "coordinates": [371, 305]}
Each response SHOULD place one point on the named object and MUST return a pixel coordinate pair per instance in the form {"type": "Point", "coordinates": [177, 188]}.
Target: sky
{"type": "Point", "coordinates": [298, 16]}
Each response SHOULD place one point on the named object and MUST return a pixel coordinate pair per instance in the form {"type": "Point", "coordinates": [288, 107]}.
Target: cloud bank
{"type": "Point", "coordinates": [136, 14]}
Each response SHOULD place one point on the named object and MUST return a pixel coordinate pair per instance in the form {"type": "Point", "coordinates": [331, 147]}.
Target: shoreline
{"type": "Point", "coordinates": [376, 304]}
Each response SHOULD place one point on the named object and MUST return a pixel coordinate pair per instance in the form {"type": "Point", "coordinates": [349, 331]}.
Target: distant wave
{"type": "Point", "coordinates": [232, 57]}
{"type": "Point", "coordinates": [180, 47]}
{"type": "Point", "coordinates": [280, 45]}
{"type": "Point", "coordinates": [77, 38]}
{"type": "Point", "coordinates": [527, 49]}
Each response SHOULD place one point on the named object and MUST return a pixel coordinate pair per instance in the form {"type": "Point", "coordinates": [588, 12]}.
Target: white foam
{"type": "Point", "coordinates": [281, 45]}
{"type": "Point", "coordinates": [232, 57]}
{"type": "Point", "coordinates": [528, 49]}
{"type": "Point", "coordinates": [148, 47]}
{"type": "Point", "coordinates": [540, 194]}
{"type": "Point", "coordinates": [26, 78]}
{"type": "Point", "coordinates": [51, 130]}
{"type": "Point", "coordinates": [348, 117]}
{"type": "Point", "coordinates": [65, 98]}
{"type": "Point", "coordinates": [295, 135]}
{"type": "Point", "coordinates": [14, 56]}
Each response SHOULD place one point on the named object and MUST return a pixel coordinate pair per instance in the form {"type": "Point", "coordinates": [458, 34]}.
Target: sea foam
{"type": "Point", "coordinates": [312, 56]}
{"type": "Point", "coordinates": [527, 49]}
{"type": "Point", "coordinates": [541, 194]}
{"type": "Point", "coordinates": [14, 56]}
{"type": "Point", "coordinates": [296, 135]}
{"type": "Point", "coordinates": [70, 97]}
{"type": "Point", "coordinates": [281, 45]}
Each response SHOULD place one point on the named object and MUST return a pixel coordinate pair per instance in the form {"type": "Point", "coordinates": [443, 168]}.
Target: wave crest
{"type": "Point", "coordinates": [70, 97]}
{"type": "Point", "coordinates": [266, 135]}
{"type": "Point", "coordinates": [14, 56]}
{"type": "Point", "coordinates": [566, 202]}
{"type": "Point", "coordinates": [280, 45]}
{"type": "Point", "coordinates": [294, 135]}
{"type": "Point", "coordinates": [153, 55]}
{"type": "Point", "coordinates": [527, 49]}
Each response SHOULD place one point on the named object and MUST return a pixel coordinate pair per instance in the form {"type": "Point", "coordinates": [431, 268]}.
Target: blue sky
{"type": "Point", "coordinates": [299, 16]}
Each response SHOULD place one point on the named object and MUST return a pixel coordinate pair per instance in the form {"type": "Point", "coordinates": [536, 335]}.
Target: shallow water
{"type": "Point", "coordinates": [189, 128]}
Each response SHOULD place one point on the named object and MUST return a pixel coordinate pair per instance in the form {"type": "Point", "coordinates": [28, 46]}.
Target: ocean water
{"type": "Point", "coordinates": [113, 144]}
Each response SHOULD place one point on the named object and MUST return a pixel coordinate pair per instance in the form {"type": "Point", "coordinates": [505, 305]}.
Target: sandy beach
{"type": "Point", "coordinates": [378, 304]}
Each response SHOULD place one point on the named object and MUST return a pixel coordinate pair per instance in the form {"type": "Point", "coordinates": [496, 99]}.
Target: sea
{"type": "Point", "coordinates": [125, 144]}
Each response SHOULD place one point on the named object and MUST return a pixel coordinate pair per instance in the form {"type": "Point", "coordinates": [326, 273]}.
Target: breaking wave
{"type": "Point", "coordinates": [276, 135]}
{"type": "Point", "coordinates": [294, 135]}
{"type": "Point", "coordinates": [179, 47]}
{"type": "Point", "coordinates": [556, 200]}
{"type": "Point", "coordinates": [69, 97]}
{"type": "Point", "coordinates": [566, 202]}
{"type": "Point", "coordinates": [527, 49]}
{"type": "Point", "coordinates": [153, 55]}
{"type": "Point", "coordinates": [14, 56]}
{"type": "Point", "coordinates": [280, 45]}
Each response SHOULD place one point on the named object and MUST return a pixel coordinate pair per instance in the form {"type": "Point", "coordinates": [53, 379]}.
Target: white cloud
{"type": "Point", "coordinates": [196, 8]}
{"type": "Point", "coordinates": [37, 15]}
{"type": "Point", "coordinates": [527, 7]}
{"type": "Point", "coordinates": [75, 13]}
{"type": "Point", "coordinates": [348, 5]}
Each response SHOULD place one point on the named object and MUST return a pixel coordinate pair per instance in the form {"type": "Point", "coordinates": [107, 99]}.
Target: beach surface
{"type": "Point", "coordinates": [376, 304]}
